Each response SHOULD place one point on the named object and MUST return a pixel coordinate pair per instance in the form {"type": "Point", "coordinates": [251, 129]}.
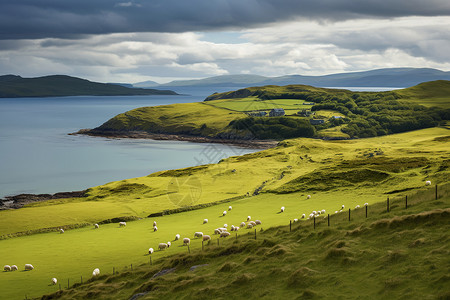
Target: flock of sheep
{"type": "Point", "coordinates": [221, 231]}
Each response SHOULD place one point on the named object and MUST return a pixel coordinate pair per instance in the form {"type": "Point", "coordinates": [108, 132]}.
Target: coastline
{"type": "Point", "coordinates": [256, 144]}
{"type": "Point", "coordinates": [18, 201]}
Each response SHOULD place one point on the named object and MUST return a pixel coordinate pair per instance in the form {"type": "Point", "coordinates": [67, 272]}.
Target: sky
{"type": "Point", "coordinates": [164, 40]}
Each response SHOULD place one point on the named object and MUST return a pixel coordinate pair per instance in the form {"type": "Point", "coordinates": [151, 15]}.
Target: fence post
{"type": "Point", "coordinates": [328, 220]}
{"type": "Point", "coordinates": [131, 266]}
{"type": "Point", "coordinates": [290, 225]}
{"type": "Point", "coordinates": [255, 233]}
{"type": "Point", "coordinates": [202, 245]}
{"type": "Point", "coordinates": [406, 202]}
{"type": "Point", "coordinates": [314, 222]}
{"type": "Point", "coordinates": [189, 250]}
{"type": "Point", "coordinates": [387, 204]}
{"type": "Point", "coordinates": [349, 214]}
{"type": "Point", "coordinates": [366, 211]}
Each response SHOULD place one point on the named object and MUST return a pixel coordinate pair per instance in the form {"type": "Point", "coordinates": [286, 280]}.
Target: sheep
{"type": "Point", "coordinates": [236, 228]}
{"type": "Point", "coordinates": [222, 229]}
{"type": "Point", "coordinates": [295, 220]}
{"type": "Point", "coordinates": [198, 234]}
{"type": "Point", "coordinates": [230, 208]}
{"type": "Point", "coordinates": [177, 237]}
{"type": "Point", "coordinates": [303, 216]}
{"type": "Point", "coordinates": [225, 225]}
{"type": "Point", "coordinates": [169, 244]}
{"type": "Point", "coordinates": [232, 228]}
{"type": "Point", "coordinates": [308, 197]}
{"type": "Point", "coordinates": [205, 221]}
{"type": "Point", "coordinates": [96, 226]}
{"type": "Point", "coordinates": [243, 224]}
{"type": "Point", "coordinates": [224, 213]}
{"type": "Point", "coordinates": [282, 209]}
{"type": "Point", "coordinates": [186, 241]}
{"type": "Point", "coordinates": [314, 212]}
{"type": "Point", "coordinates": [427, 182]}
{"type": "Point", "coordinates": [96, 272]}
{"type": "Point", "coordinates": [249, 226]}
{"type": "Point", "coordinates": [54, 281]}
{"type": "Point", "coordinates": [249, 218]}
{"type": "Point", "coordinates": [28, 267]}
{"type": "Point", "coordinates": [14, 268]}
{"type": "Point", "coordinates": [357, 206]}
{"type": "Point", "coordinates": [206, 237]}
{"type": "Point", "coordinates": [323, 211]}
{"type": "Point", "coordinates": [7, 268]}
{"type": "Point", "coordinates": [253, 223]}
{"type": "Point", "coordinates": [343, 206]}
{"type": "Point", "coordinates": [336, 212]}
{"type": "Point", "coordinates": [366, 204]}
{"type": "Point", "coordinates": [155, 228]}
{"type": "Point", "coordinates": [122, 224]}
{"type": "Point", "coordinates": [154, 223]}
{"type": "Point", "coordinates": [61, 230]}
{"type": "Point", "coordinates": [224, 234]}
{"type": "Point", "coordinates": [217, 231]}
{"type": "Point", "coordinates": [162, 246]}
{"type": "Point", "coordinates": [150, 250]}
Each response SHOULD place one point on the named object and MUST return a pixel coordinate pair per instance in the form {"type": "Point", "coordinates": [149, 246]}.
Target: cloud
{"type": "Point", "coordinates": [33, 19]}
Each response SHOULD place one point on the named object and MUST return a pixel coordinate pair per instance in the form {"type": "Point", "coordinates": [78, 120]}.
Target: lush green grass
{"type": "Point", "coordinates": [403, 253]}
{"type": "Point", "coordinates": [430, 94]}
{"type": "Point", "coordinates": [253, 103]}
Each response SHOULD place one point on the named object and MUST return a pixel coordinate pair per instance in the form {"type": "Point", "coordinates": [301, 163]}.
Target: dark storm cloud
{"type": "Point", "coordinates": [29, 19]}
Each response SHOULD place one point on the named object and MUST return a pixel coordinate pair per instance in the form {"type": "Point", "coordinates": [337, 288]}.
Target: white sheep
{"type": "Point", "coordinates": [198, 234]}
{"type": "Point", "coordinates": [323, 211]}
{"type": "Point", "coordinates": [61, 230]}
{"type": "Point", "coordinates": [230, 208]}
{"type": "Point", "coordinates": [232, 228]}
{"type": "Point", "coordinates": [243, 224]}
{"type": "Point", "coordinates": [336, 212]}
{"type": "Point", "coordinates": [236, 228]}
{"type": "Point", "coordinates": [28, 267]}
{"type": "Point", "coordinates": [169, 244]}
{"type": "Point", "coordinates": [427, 182]}
{"type": "Point", "coordinates": [295, 220]}
{"type": "Point", "coordinates": [308, 197]}
{"type": "Point", "coordinates": [14, 268]}
{"type": "Point", "coordinates": [303, 216]}
{"type": "Point", "coordinates": [96, 226]}
{"type": "Point", "coordinates": [224, 234]}
{"type": "Point", "coordinates": [7, 268]}
{"type": "Point", "coordinates": [282, 209]}
{"type": "Point", "coordinates": [249, 218]}
{"type": "Point", "coordinates": [366, 204]}
{"type": "Point", "coordinates": [154, 223]}
{"type": "Point", "coordinates": [217, 231]}
{"type": "Point", "coordinates": [150, 250]}
{"type": "Point", "coordinates": [206, 237]}
{"type": "Point", "coordinates": [122, 224]}
{"type": "Point", "coordinates": [253, 223]}
{"type": "Point", "coordinates": [163, 246]}
{"type": "Point", "coordinates": [224, 213]}
{"type": "Point", "coordinates": [155, 228]}
{"type": "Point", "coordinates": [177, 237]}
{"type": "Point", "coordinates": [54, 281]}
{"type": "Point", "coordinates": [249, 226]}
{"type": "Point", "coordinates": [357, 206]}
{"type": "Point", "coordinates": [314, 212]}
{"type": "Point", "coordinates": [205, 221]}
{"type": "Point", "coordinates": [222, 229]}
{"type": "Point", "coordinates": [225, 225]}
{"type": "Point", "coordinates": [96, 272]}
{"type": "Point", "coordinates": [343, 206]}
{"type": "Point", "coordinates": [186, 241]}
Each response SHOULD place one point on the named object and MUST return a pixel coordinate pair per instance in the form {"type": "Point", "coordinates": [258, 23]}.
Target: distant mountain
{"type": "Point", "coordinates": [145, 84]}
{"type": "Point", "coordinates": [393, 77]}
{"type": "Point", "coordinates": [12, 86]}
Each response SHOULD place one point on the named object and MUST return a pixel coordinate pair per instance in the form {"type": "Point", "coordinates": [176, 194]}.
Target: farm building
{"type": "Point", "coordinates": [257, 113]}
{"type": "Point", "coordinates": [276, 112]}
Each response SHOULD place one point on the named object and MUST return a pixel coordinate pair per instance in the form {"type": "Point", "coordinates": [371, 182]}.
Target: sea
{"type": "Point", "coordinates": [37, 154]}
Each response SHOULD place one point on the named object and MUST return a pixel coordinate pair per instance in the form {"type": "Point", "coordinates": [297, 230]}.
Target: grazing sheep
{"type": "Point", "coordinates": [155, 228]}
{"type": "Point", "coordinates": [295, 220]}
{"type": "Point", "coordinates": [357, 206]}
{"type": "Point", "coordinates": [303, 216]}
{"type": "Point", "coordinates": [206, 237]}
{"type": "Point", "coordinates": [236, 228]}
{"type": "Point", "coordinates": [249, 218]}
{"type": "Point", "coordinates": [177, 237]}
{"type": "Point", "coordinates": [282, 209]}
{"type": "Point", "coordinates": [28, 267]}
{"type": "Point", "coordinates": [7, 268]}
{"type": "Point", "coordinates": [122, 224]}
{"type": "Point", "coordinates": [253, 223]}
{"type": "Point", "coordinates": [224, 234]}
{"type": "Point", "coordinates": [225, 225]}
{"type": "Point", "coordinates": [154, 223]}
{"type": "Point", "coordinates": [96, 272]}
{"type": "Point", "coordinates": [61, 230]}
{"type": "Point", "coordinates": [186, 241]}
{"type": "Point", "coordinates": [96, 226]}
{"type": "Point", "coordinates": [427, 182]}
{"type": "Point", "coordinates": [232, 228]}
{"type": "Point", "coordinates": [163, 246]}
{"type": "Point", "coordinates": [150, 250]}
{"type": "Point", "coordinates": [323, 211]}
{"type": "Point", "coordinates": [54, 281]}
{"type": "Point", "coordinates": [343, 206]}
{"type": "Point", "coordinates": [335, 211]}
{"type": "Point", "coordinates": [258, 222]}
{"type": "Point", "coordinates": [308, 197]}
{"type": "Point", "coordinates": [222, 229]}
{"type": "Point", "coordinates": [249, 226]}
{"type": "Point", "coordinates": [217, 231]}
{"type": "Point", "coordinates": [14, 268]}
{"type": "Point", "coordinates": [198, 234]}
{"type": "Point", "coordinates": [224, 213]}
{"type": "Point", "coordinates": [169, 244]}
{"type": "Point", "coordinates": [314, 212]}
{"type": "Point", "coordinates": [243, 224]}
{"type": "Point", "coordinates": [366, 204]}
{"type": "Point", "coordinates": [205, 221]}
{"type": "Point", "coordinates": [230, 208]}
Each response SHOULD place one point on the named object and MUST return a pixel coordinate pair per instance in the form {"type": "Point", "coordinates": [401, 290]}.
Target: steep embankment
{"type": "Point", "coordinates": [60, 85]}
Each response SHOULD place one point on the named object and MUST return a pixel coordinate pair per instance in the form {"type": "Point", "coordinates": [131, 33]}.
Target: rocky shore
{"type": "Point", "coordinates": [18, 201]}
{"type": "Point", "coordinates": [251, 143]}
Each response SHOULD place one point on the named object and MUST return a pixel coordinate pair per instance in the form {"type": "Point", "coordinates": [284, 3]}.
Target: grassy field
{"type": "Point", "coordinates": [333, 172]}
{"type": "Point", "coordinates": [253, 103]}
{"type": "Point", "coordinates": [420, 94]}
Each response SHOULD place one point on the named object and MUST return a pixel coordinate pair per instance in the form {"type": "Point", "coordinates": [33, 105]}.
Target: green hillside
{"type": "Point", "coordinates": [60, 85]}
{"type": "Point", "coordinates": [345, 114]}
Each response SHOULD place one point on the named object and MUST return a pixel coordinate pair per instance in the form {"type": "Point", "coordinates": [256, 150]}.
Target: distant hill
{"type": "Point", "coordinates": [12, 86]}
{"type": "Point", "coordinates": [393, 77]}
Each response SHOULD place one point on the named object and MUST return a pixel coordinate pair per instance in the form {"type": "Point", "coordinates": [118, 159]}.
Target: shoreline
{"type": "Point", "coordinates": [254, 144]}
{"type": "Point", "coordinates": [19, 201]}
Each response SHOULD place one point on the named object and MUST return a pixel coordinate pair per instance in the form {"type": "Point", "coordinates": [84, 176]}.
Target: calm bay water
{"type": "Point", "coordinates": [38, 156]}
